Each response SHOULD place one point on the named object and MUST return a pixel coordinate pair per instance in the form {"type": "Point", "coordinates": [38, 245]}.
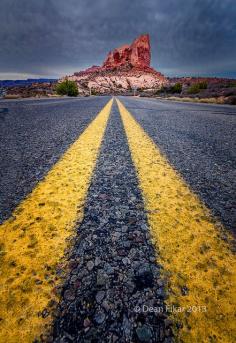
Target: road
{"type": "Point", "coordinates": [111, 209]}
{"type": "Point", "coordinates": [34, 134]}
{"type": "Point", "coordinates": [199, 141]}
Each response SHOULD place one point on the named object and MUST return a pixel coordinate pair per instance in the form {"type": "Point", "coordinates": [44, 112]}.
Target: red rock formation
{"type": "Point", "coordinates": [124, 69]}
{"type": "Point", "coordinates": [138, 54]}
{"type": "Point", "coordinates": [117, 57]}
{"type": "Point", "coordinates": [141, 52]}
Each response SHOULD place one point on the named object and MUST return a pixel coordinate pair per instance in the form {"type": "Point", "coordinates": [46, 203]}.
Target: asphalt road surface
{"type": "Point", "coordinates": [34, 134]}
{"type": "Point", "coordinates": [118, 219]}
{"type": "Point", "coordinates": [200, 142]}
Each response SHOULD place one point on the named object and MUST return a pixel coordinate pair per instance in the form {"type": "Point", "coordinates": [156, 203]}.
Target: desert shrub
{"type": "Point", "coordinates": [161, 90]}
{"type": "Point", "coordinates": [232, 84]}
{"type": "Point", "coordinates": [177, 88]}
{"type": "Point", "coordinates": [231, 100]}
{"type": "Point", "coordinates": [196, 87]}
{"type": "Point", "coordinates": [202, 85]}
{"type": "Point", "coordinates": [67, 87]}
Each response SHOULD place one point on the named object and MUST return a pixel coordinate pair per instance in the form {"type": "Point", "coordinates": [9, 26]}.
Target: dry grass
{"type": "Point", "coordinates": [12, 96]}
{"type": "Point", "coordinates": [219, 100]}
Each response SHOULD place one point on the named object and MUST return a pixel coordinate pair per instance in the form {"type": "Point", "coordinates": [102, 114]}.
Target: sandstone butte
{"type": "Point", "coordinates": [125, 68]}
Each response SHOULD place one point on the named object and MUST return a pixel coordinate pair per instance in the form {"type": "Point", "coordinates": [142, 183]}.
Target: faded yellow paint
{"type": "Point", "coordinates": [34, 239]}
{"type": "Point", "coordinates": [195, 259]}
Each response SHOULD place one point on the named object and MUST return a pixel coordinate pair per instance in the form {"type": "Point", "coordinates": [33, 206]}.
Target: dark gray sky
{"type": "Point", "coordinates": [51, 38]}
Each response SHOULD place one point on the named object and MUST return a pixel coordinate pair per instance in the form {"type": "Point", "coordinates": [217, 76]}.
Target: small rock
{"type": "Point", "coordinates": [127, 244]}
{"type": "Point", "coordinates": [160, 293]}
{"type": "Point", "coordinates": [73, 264]}
{"type": "Point", "coordinates": [126, 326]}
{"type": "Point", "coordinates": [116, 236]}
{"type": "Point", "coordinates": [97, 261]}
{"type": "Point", "coordinates": [144, 278]}
{"type": "Point", "coordinates": [152, 259]}
{"type": "Point", "coordinates": [132, 220]}
{"type": "Point", "coordinates": [130, 286]}
{"type": "Point", "coordinates": [126, 260]}
{"type": "Point", "coordinates": [68, 295]}
{"type": "Point", "coordinates": [99, 317]}
{"type": "Point", "coordinates": [45, 313]}
{"type": "Point", "coordinates": [106, 305]}
{"type": "Point", "coordinates": [108, 268]}
{"type": "Point", "coordinates": [99, 296]}
{"type": "Point", "coordinates": [103, 196]}
{"type": "Point", "coordinates": [144, 227]}
{"type": "Point", "coordinates": [160, 282]}
{"type": "Point", "coordinates": [87, 323]}
{"type": "Point", "coordinates": [168, 322]}
{"type": "Point", "coordinates": [121, 252]}
{"type": "Point", "coordinates": [144, 333]}
{"type": "Point", "coordinates": [101, 278]}
{"type": "Point", "coordinates": [139, 239]}
{"type": "Point", "coordinates": [114, 338]}
{"type": "Point", "coordinates": [124, 229]}
{"type": "Point", "coordinates": [90, 265]}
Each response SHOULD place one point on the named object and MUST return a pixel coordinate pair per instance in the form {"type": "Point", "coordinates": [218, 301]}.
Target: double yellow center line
{"type": "Point", "coordinates": [197, 264]}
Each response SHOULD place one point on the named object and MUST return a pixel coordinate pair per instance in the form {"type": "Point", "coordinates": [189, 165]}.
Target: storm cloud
{"type": "Point", "coordinates": [50, 38]}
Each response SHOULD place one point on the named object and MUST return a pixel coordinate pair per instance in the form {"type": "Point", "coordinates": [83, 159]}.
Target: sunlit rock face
{"type": "Point", "coordinates": [138, 54]}
{"type": "Point", "coordinates": [124, 69]}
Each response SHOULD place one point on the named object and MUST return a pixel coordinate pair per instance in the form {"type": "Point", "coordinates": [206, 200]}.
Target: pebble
{"type": "Point", "coordinates": [144, 333]}
{"type": "Point", "coordinates": [90, 265]}
{"type": "Point", "coordinates": [69, 295]}
{"type": "Point", "coordinates": [87, 323]}
{"type": "Point", "coordinates": [45, 313]}
{"type": "Point", "coordinates": [99, 296]}
{"type": "Point", "coordinates": [108, 269]}
{"type": "Point", "coordinates": [124, 229]}
{"type": "Point", "coordinates": [101, 278]}
{"type": "Point", "coordinates": [106, 305]}
{"type": "Point", "coordinates": [97, 261]}
{"type": "Point", "coordinates": [99, 317]}
{"type": "Point", "coordinates": [126, 261]}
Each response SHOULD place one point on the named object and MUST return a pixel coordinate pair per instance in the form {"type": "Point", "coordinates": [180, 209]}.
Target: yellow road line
{"type": "Point", "coordinates": [34, 240]}
{"type": "Point", "coordinates": [196, 261]}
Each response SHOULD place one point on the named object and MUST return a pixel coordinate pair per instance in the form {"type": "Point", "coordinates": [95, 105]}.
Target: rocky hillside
{"type": "Point", "coordinates": [126, 68]}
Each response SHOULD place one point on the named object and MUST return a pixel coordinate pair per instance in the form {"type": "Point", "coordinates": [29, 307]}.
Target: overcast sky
{"type": "Point", "coordinates": [51, 38]}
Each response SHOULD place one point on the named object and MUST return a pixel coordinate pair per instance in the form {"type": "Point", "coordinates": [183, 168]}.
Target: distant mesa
{"type": "Point", "coordinates": [124, 69]}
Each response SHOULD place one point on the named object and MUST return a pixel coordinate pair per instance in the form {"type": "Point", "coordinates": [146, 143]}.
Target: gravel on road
{"type": "Point", "coordinates": [114, 272]}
